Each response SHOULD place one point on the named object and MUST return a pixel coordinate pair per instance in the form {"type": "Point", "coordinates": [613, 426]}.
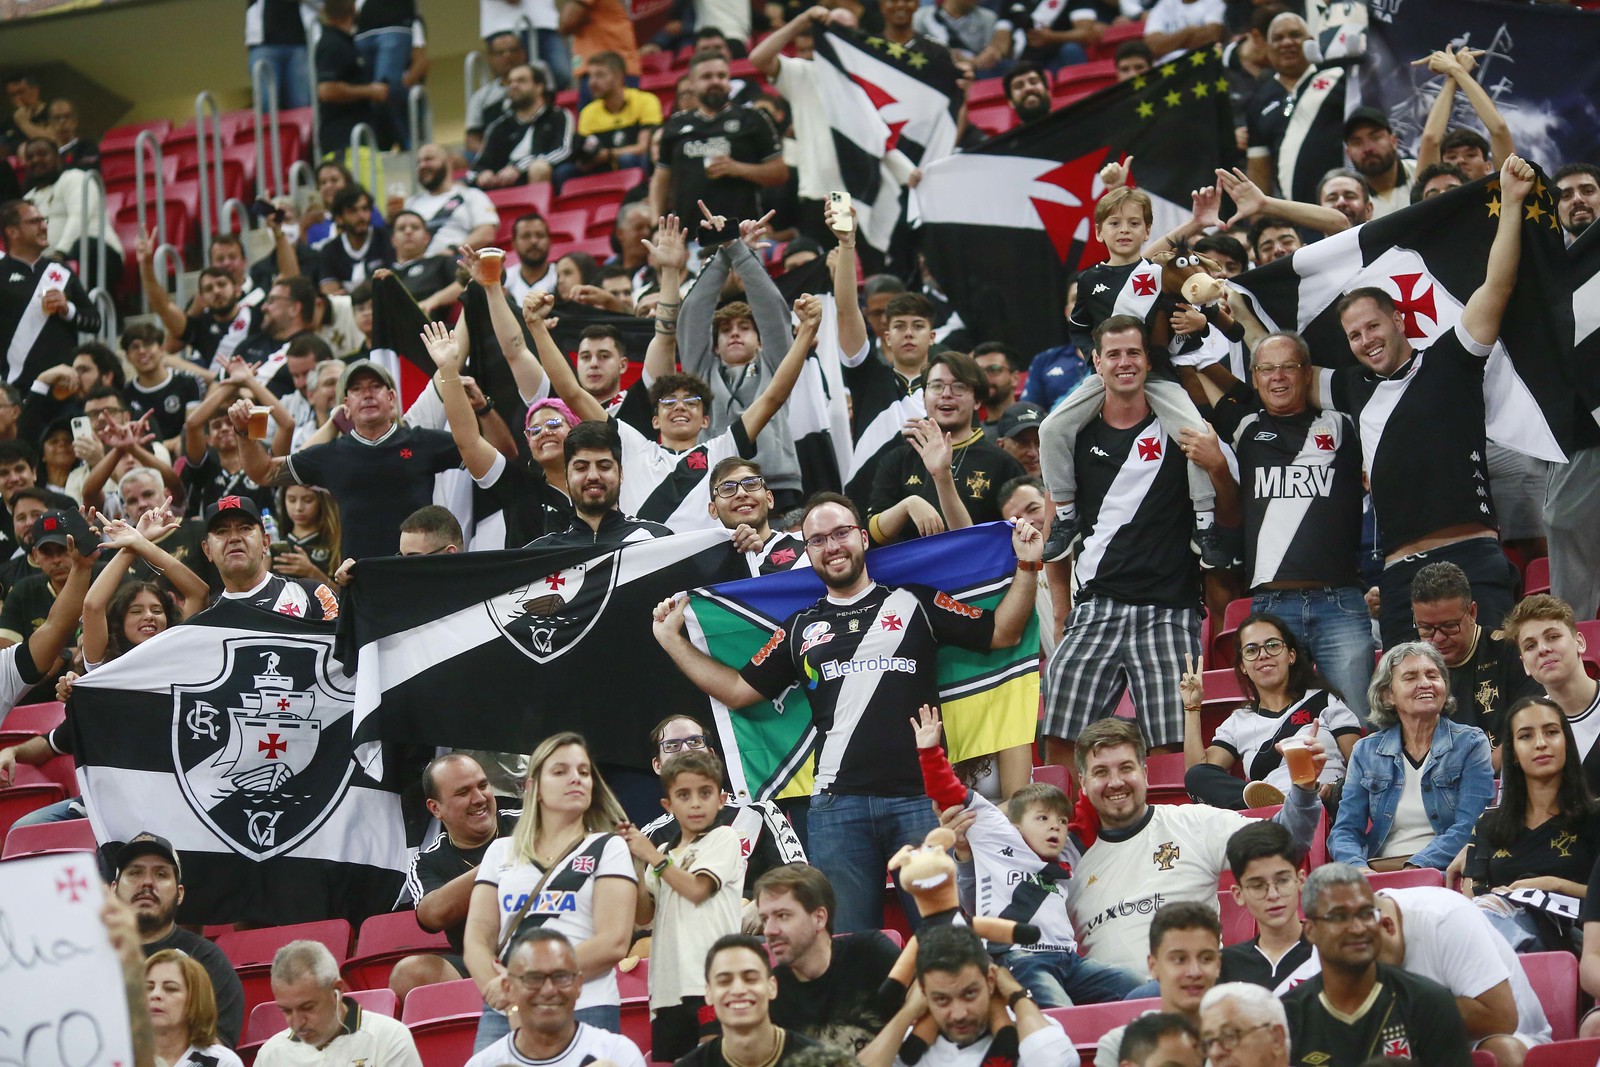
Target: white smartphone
{"type": "Point", "coordinates": [82, 428]}
{"type": "Point", "coordinates": [843, 221]}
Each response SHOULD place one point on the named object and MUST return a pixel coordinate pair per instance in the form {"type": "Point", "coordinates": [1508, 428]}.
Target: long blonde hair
{"type": "Point", "coordinates": [604, 812]}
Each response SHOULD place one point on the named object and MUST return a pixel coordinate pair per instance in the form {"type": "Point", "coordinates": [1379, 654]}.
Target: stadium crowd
{"type": "Point", "coordinates": [1369, 830]}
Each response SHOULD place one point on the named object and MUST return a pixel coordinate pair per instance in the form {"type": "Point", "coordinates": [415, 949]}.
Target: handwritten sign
{"type": "Point", "coordinates": [60, 981]}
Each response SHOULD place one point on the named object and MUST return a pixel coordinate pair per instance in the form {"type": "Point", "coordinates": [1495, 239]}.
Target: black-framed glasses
{"type": "Point", "coordinates": [839, 536]}
{"type": "Point", "coordinates": [953, 388]}
{"type": "Point", "coordinates": [550, 425]}
{"type": "Point", "coordinates": [533, 981]}
{"type": "Point", "coordinates": [694, 743]}
{"type": "Point", "coordinates": [1271, 647]}
{"type": "Point", "coordinates": [673, 402]}
{"type": "Point", "coordinates": [751, 485]}
{"type": "Point", "coordinates": [1426, 630]}
{"type": "Point", "coordinates": [1228, 1039]}
{"type": "Point", "coordinates": [1365, 916]}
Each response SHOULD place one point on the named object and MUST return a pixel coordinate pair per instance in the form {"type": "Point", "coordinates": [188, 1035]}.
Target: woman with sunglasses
{"type": "Point", "coordinates": [1288, 698]}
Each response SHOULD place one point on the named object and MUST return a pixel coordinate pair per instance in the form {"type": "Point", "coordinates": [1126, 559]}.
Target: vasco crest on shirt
{"type": "Point", "coordinates": [265, 747]}
{"type": "Point", "coordinates": [1165, 855]}
{"type": "Point", "coordinates": [549, 615]}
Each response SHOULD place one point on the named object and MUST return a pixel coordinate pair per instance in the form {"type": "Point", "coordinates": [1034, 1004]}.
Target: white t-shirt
{"type": "Point", "coordinates": [516, 288]}
{"type": "Point", "coordinates": [683, 932]}
{"type": "Point", "coordinates": [589, 1044]}
{"type": "Point", "coordinates": [211, 1056]}
{"type": "Point", "coordinates": [1249, 734]}
{"type": "Point", "coordinates": [1411, 831]}
{"type": "Point", "coordinates": [816, 161]}
{"type": "Point", "coordinates": [571, 912]}
{"type": "Point", "coordinates": [1449, 940]}
{"type": "Point", "coordinates": [497, 15]}
{"type": "Point", "coordinates": [648, 465]}
{"type": "Point", "coordinates": [1170, 16]}
{"type": "Point", "coordinates": [732, 17]}
{"type": "Point", "coordinates": [471, 208]}
{"type": "Point", "coordinates": [1050, 1047]}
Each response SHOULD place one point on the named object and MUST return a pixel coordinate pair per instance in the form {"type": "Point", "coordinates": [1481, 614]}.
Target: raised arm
{"type": "Point", "coordinates": [717, 680]}
{"type": "Point", "coordinates": [259, 466]}
{"type": "Point", "coordinates": [1250, 200]}
{"type": "Point", "coordinates": [692, 339]}
{"type": "Point", "coordinates": [562, 379]}
{"type": "Point", "coordinates": [1438, 121]}
{"type": "Point", "coordinates": [478, 455]}
{"type": "Point", "coordinates": [218, 396]}
{"type": "Point", "coordinates": [668, 254]}
{"type": "Point", "coordinates": [1481, 317]}
{"type": "Point", "coordinates": [766, 302]}
{"type": "Point", "coordinates": [525, 367]}
{"type": "Point", "coordinates": [765, 55]}
{"type": "Point", "coordinates": [171, 316]}
{"type": "Point", "coordinates": [45, 643]}
{"type": "Point", "coordinates": [776, 394]}
{"type": "Point", "coordinates": [1011, 615]}
{"type": "Point", "coordinates": [852, 324]}
{"type": "Point", "coordinates": [1500, 142]}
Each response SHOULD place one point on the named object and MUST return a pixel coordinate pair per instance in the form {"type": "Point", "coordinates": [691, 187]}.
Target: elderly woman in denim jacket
{"type": "Point", "coordinates": [1416, 786]}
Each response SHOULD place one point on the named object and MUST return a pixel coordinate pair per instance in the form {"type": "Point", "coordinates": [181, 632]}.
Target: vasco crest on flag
{"type": "Point", "coordinates": [547, 616]}
{"type": "Point", "coordinates": [265, 746]}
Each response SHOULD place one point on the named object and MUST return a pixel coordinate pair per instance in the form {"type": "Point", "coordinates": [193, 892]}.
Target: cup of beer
{"type": "Point", "coordinates": [491, 262]}
{"type": "Point", "coordinates": [1297, 757]}
{"type": "Point", "coordinates": [260, 420]}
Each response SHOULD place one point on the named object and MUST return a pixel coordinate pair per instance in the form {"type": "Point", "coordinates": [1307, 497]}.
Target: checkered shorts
{"type": "Point", "coordinates": [1108, 647]}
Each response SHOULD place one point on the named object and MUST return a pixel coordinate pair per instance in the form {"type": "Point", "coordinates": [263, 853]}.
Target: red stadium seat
{"type": "Point", "coordinates": [567, 98]}
{"type": "Point", "coordinates": [1481, 1058]}
{"type": "Point", "coordinates": [1316, 857]}
{"type": "Point", "coordinates": [1164, 771]}
{"type": "Point", "coordinates": [125, 135]}
{"type": "Point", "coordinates": [1554, 978]}
{"type": "Point", "coordinates": [1054, 775]}
{"type": "Point", "coordinates": [986, 91]}
{"type": "Point", "coordinates": [443, 1020]}
{"type": "Point", "coordinates": [636, 1022]}
{"type": "Point", "coordinates": [567, 227]}
{"type": "Point", "coordinates": [119, 171]}
{"type": "Point", "coordinates": [36, 718]}
{"type": "Point", "coordinates": [655, 63]}
{"type": "Point", "coordinates": [442, 1000]}
{"type": "Point", "coordinates": [1238, 925]}
{"type": "Point", "coordinates": [19, 800]}
{"type": "Point", "coordinates": [1564, 1054]}
{"type": "Point", "coordinates": [1410, 878]}
{"type": "Point", "coordinates": [604, 220]}
{"type": "Point", "coordinates": [665, 86]}
{"type": "Point", "coordinates": [1085, 78]}
{"type": "Point", "coordinates": [1536, 578]}
{"type": "Point", "coordinates": [993, 118]}
{"type": "Point", "coordinates": [378, 1001]}
{"type": "Point", "coordinates": [598, 247]}
{"type": "Point", "coordinates": [73, 835]}
{"type": "Point", "coordinates": [63, 772]}
{"type": "Point", "coordinates": [251, 952]}
{"type": "Point", "coordinates": [589, 191]}
{"type": "Point", "coordinates": [1221, 653]}
{"type": "Point", "coordinates": [1085, 1024]}
{"type": "Point", "coordinates": [385, 940]}
{"type": "Point", "coordinates": [1112, 36]}
{"type": "Point", "coordinates": [233, 175]}
{"type": "Point", "coordinates": [634, 984]}
{"type": "Point", "coordinates": [266, 1020]}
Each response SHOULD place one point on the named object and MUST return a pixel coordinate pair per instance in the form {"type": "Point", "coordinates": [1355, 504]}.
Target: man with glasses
{"type": "Point", "coordinates": [43, 305]}
{"type": "Point", "coordinates": [947, 475]}
{"type": "Point", "coordinates": [769, 840]}
{"type": "Point", "coordinates": [1267, 880]}
{"type": "Point", "coordinates": [543, 979]}
{"type": "Point", "coordinates": [1243, 1025]}
{"type": "Point", "coordinates": [1486, 674]}
{"type": "Point", "coordinates": [1300, 479]}
{"type": "Point", "coordinates": [1360, 1007]}
{"type": "Point", "coordinates": [741, 501]}
{"type": "Point", "coordinates": [868, 654]}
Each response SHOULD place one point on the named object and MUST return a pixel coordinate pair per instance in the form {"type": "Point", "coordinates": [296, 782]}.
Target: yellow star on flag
{"type": "Point", "coordinates": [1538, 187]}
{"type": "Point", "coordinates": [1169, 70]}
{"type": "Point", "coordinates": [1201, 90]}
{"type": "Point", "coordinates": [1197, 59]}
{"type": "Point", "coordinates": [1140, 82]}
{"type": "Point", "coordinates": [1554, 225]}
{"type": "Point", "coordinates": [1174, 98]}
{"type": "Point", "coordinates": [1146, 109]}
{"type": "Point", "coordinates": [1494, 207]}
{"type": "Point", "coordinates": [1222, 85]}
{"type": "Point", "coordinates": [917, 60]}
{"type": "Point", "coordinates": [875, 42]}
{"type": "Point", "coordinates": [1533, 212]}
{"type": "Point", "coordinates": [896, 49]}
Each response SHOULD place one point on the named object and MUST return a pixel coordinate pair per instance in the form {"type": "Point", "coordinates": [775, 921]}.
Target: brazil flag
{"type": "Point", "coordinates": [990, 699]}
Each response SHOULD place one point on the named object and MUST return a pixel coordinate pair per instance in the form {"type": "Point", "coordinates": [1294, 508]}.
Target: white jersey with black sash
{"type": "Point", "coordinates": [673, 488]}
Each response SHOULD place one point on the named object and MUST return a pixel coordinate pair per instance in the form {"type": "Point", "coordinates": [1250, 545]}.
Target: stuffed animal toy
{"type": "Point", "coordinates": [928, 873]}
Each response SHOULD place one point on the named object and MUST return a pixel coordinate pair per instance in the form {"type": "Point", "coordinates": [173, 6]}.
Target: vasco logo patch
{"type": "Point", "coordinates": [548, 616]}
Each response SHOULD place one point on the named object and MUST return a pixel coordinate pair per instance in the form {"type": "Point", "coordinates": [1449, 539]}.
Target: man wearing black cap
{"type": "Point", "coordinates": [236, 544]}
{"type": "Point", "coordinates": [1017, 431]}
{"type": "Point", "coordinates": [1370, 143]}
{"type": "Point", "coordinates": [150, 880]}
{"type": "Point", "coordinates": [379, 473]}
{"type": "Point", "coordinates": [31, 601]}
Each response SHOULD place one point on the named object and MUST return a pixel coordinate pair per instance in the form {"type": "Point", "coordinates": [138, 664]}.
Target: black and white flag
{"type": "Point", "coordinates": [231, 736]}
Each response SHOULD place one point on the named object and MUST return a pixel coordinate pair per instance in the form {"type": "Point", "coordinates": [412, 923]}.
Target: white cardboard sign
{"type": "Point", "coordinates": [62, 1000]}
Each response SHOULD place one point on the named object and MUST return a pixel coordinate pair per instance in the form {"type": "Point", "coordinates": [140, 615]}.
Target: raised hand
{"type": "Point", "coordinates": [808, 309]}
{"type": "Point", "coordinates": [159, 521]}
{"type": "Point", "coordinates": [1027, 542]}
{"type": "Point", "coordinates": [669, 248]}
{"type": "Point", "coordinates": [1191, 684]}
{"type": "Point", "coordinates": [846, 238]}
{"type": "Point", "coordinates": [712, 222]}
{"type": "Point", "coordinates": [1207, 202]}
{"type": "Point", "coordinates": [932, 444]}
{"type": "Point", "coordinates": [1115, 174]}
{"type": "Point", "coordinates": [1516, 179]}
{"type": "Point", "coordinates": [752, 230]}
{"type": "Point", "coordinates": [442, 346]}
{"type": "Point", "coordinates": [536, 307]}
{"type": "Point", "coordinates": [927, 727]}
{"type": "Point", "coordinates": [1245, 194]}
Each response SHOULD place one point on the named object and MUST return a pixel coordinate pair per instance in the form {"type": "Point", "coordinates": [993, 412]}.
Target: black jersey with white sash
{"type": "Point", "coordinates": [32, 339]}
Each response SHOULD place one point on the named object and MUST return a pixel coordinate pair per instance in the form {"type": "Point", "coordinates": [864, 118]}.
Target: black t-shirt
{"type": "Point", "coordinates": [339, 61]}
{"type": "Point", "coordinates": [1301, 479]}
{"type": "Point", "coordinates": [1245, 962]}
{"type": "Point", "coordinates": [377, 484]}
{"type": "Point", "coordinates": [1139, 552]}
{"type": "Point", "coordinates": [1489, 682]}
{"type": "Point", "coordinates": [1554, 848]}
{"type": "Point", "coordinates": [1424, 476]}
{"type": "Point", "coordinates": [349, 266]}
{"type": "Point", "coordinates": [211, 336]}
{"type": "Point", "coordinates": [426, 276]}
{"type": "Point", "coordinates": [531, 505]}
{"type": "Point", "coordinates": [442, 862]}
{"type": "Point", "coordinates": [320, 554]}
{"type": "Point", "coordinates": [689, 139]}
{"type": "Point", "coordinates": [1105, 290]}
{"type": "Point", "coordinates": [281, 22]}
{"type": "Point", "coordinates": [615, 529]}
{"type": "Point", "coordinates": [840, 1006]}
{"type": "Point", "coordinates": [169, 401]}
{"type": "Point", "coordinates": [710, 1053]}
{"type": "Point", "coordinates": [978, 466]}
{"type": "Point", "coordinates": [224, 981]}
{"type": "Point", "coordinates": [1266, 113]}
{"type": "Point", "coordinates": [386, 14]}
{"type": "Point", "coordinates": [208, 481]}
{"type": "Point", "coordinates": [13, 570]}
{"type": "Point", "coordinates": [1410, 1016]}
{"type": "Point", "coordinates": [864, 663]}
{"type": "Point", "coordinates": [27, 605]}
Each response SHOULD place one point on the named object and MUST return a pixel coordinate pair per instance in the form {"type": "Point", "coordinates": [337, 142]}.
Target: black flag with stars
{"type": "Point", "coordinates": [1005, 225]}
{"type": "Point", "coordinates": [1431, 258]}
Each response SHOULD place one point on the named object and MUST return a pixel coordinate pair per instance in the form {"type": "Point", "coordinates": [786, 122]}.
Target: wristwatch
{"type": "Point", "coordinates": [1022, 994]}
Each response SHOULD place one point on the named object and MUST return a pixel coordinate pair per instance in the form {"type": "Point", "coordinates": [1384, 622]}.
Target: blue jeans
{"type": "Point", "coordinates": [289, 63]}
{"type": "Point", "coordinates": [851, 839]}
{"type": "Point", "coordinates": [1334, 625]}
{"type": "Point", "coordinates": [1152, 988]}
{"type": "Point", "coordinates": [387, 54]}
{"type": "Point", "coordinates": [1061, 979]}
{"type": "Point", "coordinates": [492, 1026]}
{"type": "Point", "coordinates": [60, 811]}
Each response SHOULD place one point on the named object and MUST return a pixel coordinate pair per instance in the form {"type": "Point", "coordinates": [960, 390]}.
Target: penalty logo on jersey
{"type": "Point", "coordinates": [265, 748]}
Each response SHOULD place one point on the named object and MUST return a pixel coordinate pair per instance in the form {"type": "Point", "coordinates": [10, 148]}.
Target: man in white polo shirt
{"type": "Point", "coordinates": [327, 1028]}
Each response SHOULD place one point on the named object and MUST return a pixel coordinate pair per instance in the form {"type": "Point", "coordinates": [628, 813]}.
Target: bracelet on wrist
{"type": "Point", "coordinates": [1030, 565]}
{"type": "Point", "coordinates": [1188, 709]}
{"type": "Point", "coordinates": [666, 861]}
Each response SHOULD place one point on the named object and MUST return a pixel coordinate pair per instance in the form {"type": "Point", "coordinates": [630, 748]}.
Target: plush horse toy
{"type": "Point", "coordinates": [928, 873]}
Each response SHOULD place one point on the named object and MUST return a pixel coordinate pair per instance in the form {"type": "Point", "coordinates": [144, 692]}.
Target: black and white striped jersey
{"type": "Point", "coordinates": [1135, 517]}
{"type": "Point", "coordinates": [1301, 479]}
{"type": "Point", "coordinates": [1422, 438]}
{"type": "Point", "coordinates": [867, 664]}
{"type": "Point", "coordinates": [673, 488]}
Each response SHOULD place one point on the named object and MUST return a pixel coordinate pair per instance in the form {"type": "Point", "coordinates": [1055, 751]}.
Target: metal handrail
{"type": "Point", "coordinates": [139, 142]}
{"type": "Point", "coordinates": [313, 35]}
{"type": "Point", "coordinates": [107, 307]}
{"type": "Point", "coordinates": [419, 117]}
{"type": "Point", "coordinates": [268, 183]}
{"type": "Point", "coordinates": [234, 216]}
{"type": "Point", "coordinates": [300, 177]}
{"type": "Point", "coordinates": [364, 136]}
{"type": "Point", "coordinates": [212, 192]}
{"type": "Point", "coordinates": [475, 76]}
{"type": "Point", "coordinates": [93, 182]}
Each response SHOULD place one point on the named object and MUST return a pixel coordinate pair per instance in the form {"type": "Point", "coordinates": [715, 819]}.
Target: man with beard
{"type": "Point", "coordinates": [717, 153]}
{"type": "Point", "coordinates": [1000, 381]}
{"type": "Point", "coordinates": [947, 476]}
{"type": "Point", "coordinates": [531, 142]}
{"type": "Point", "coordinates": [1028, 89]}
{"type": "Point", "coordinates": [530, 240]}
{"type": "Point", "coordinates": [359, 249]}
{"type": "Point", "coordinates": [593, 453]}
{"type": "Point", "coordinates": [455, 213]}
{"type": "Point", "coordinates": [1346, 192]}
{"type": "Point", "coordinates": [223, 321]}
{"type": "Point", "coordinates": [1577, 198]}
{"type": "Point", "coordinates": [1370, 143]}
{"type": "Point", "coordinates": [150, 880]}
{"type": "Point", "coordinates": [869, 796]}
{"type": "Point", "coordinates": [60, 193]}
{"type": "Point", "coordinates": [289, 310]}
{"type": "Point", "coordinates": [1357, 1007]}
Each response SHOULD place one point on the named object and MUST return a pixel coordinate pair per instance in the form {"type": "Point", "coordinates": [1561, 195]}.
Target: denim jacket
{"type": "Point", "coordinates": [1457, 784]}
